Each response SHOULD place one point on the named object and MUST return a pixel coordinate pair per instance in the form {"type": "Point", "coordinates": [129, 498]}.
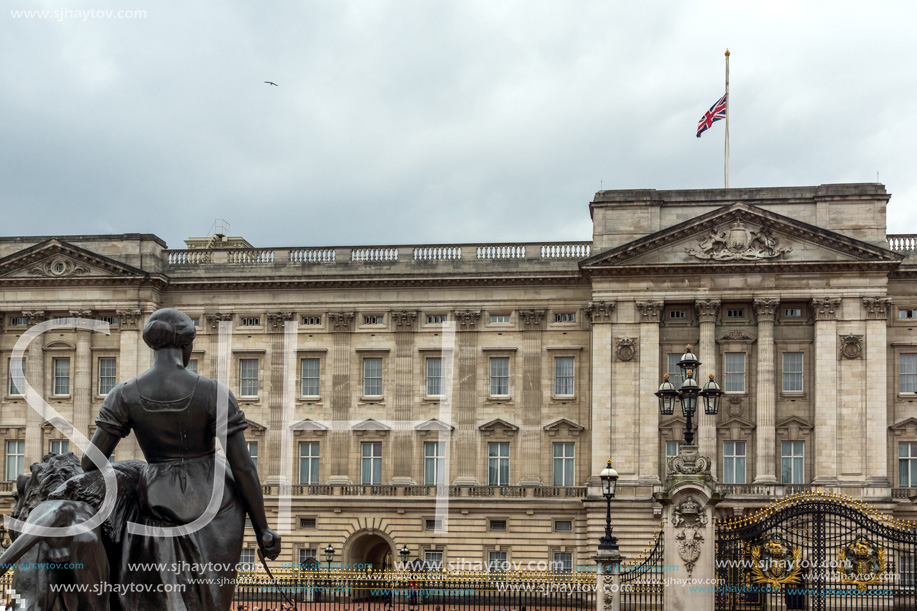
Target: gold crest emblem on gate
{"type": "Point", "coordinates": [862, 563]}
{"type": "Point", "coordinates": [776, 563]}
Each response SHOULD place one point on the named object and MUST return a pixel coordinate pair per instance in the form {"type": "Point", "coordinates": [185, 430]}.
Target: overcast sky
{"type": "Point", "coordinates": [436, 121]}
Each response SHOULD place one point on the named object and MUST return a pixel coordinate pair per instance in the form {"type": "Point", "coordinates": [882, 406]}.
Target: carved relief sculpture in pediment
{"type": "Point", "coordinates": [738, 243]}
{"type": "Point", "coordinates": [58, 267]}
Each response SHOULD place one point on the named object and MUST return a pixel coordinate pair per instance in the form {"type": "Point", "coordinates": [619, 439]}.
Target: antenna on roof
{"type": "Point", "coordinates": [218, 232]}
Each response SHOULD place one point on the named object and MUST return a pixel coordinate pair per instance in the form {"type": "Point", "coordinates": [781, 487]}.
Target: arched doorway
{"type": "Point", "coordinates": [370, 549]}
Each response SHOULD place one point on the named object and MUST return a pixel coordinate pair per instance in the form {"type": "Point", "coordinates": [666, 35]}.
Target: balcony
{"type": "Point", "coordinates": [387, 491]}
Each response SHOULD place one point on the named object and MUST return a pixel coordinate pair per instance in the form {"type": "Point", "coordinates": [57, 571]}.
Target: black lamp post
{"type": "Point", "coordinates": [609, 479]}
{"type": "Point", "coordinates": [688, 393]}
{"type": "Point", "coordinates": [404, 552]}
{"type": "Point", "coordinates": [329, 556]}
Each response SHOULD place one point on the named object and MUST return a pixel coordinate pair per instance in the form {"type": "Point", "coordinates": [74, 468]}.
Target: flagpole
{"type": "Point", "coordinates": [727, 119]}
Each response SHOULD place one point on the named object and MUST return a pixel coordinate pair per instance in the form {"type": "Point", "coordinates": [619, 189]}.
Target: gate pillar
{"type": "Point", "coordinates": [688, 499]}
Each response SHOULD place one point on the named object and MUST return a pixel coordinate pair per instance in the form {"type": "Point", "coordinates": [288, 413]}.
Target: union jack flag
{"type": "Point", "coordinates": [716, 112]}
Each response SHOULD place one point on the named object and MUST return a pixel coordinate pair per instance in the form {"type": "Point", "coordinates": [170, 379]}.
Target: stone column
{"type": "Point", "coordinates": [129, 322]}
{"type": "Point", "coordinates": [690, 540]}
{"type": "Point", "coordinates": [877, 309]}
{"type": "Point", "coordinates": [403, 433]}
{"type": "Point", "coordinates": [600, 312]}
{"type": "Point", "coordinates": [608, 579]}
{"type": "Point", "coordinates": [463, 408]}
{"type": "Point", "coordinates": [339, 436]}
{"type": "Point", "coordinates": [532, 396]}
{"type": "Point", "coordinates": [82, 378]}
{"type": "Point", "coordinates": [277, 325]}
{"type": "Point", "coordinates": [35, 375]}
{"type": "Point", "coordinates": [765, 397]}
{"type": "Point", "coordinates": [825, 309]}
{"type": "Point", "coordinates": [648, 413]}
{"type": "Point", "coordinates": [707, 310]}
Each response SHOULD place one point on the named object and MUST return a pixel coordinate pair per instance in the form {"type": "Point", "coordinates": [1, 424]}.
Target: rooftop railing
{"type": "Point", "coordinates": [904, 243]}
{"type": "Point", "coordinates": [358, 490]}
{"type": "Point", "coordinates": [379, 254]}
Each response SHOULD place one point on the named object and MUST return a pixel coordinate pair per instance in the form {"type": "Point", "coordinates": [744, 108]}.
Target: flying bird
{"type": "Point", "coordinates": [272, 83]}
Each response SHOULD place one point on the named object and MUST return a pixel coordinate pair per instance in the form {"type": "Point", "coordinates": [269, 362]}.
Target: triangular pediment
{"type": "Point", "coordinates": [739, 235]}
{"type": "Point", "coordinates": [371, 425]}
{"type": "Point", "coordinates": [308, 425]}
{"type": "Point", "coordinates": [57, 259]}
{"type": "Point", "coordinates": [736, 421]}
{"type": "Point", "coordinates": [563, 423]}
{"type": "Point", "coordinates": [793, 421]}
{"type": "Point", "coordinates": [498, 424]}
{"type": "Point", "coordinates": [906, 425]}
{"type": "Point", "coordinates": [256, 427]}
{"type": "Point", "coordinates": [434, 425]}
{"type": "Point", "coordinates": [57, 423]}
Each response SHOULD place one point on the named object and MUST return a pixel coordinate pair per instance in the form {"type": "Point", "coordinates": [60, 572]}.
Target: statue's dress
{"type": "Point", "coordinates": [177, 439]}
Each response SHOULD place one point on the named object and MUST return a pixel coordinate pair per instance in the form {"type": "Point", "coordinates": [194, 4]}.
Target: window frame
{"type": "Point", "coordinates": [9, 373]}
{"type": "Point", "coordinates": [312, 460]}
{"type": "Point", "coordinates": [438, 462]}
{"type": "Point", "coordinates": [428, 378]}
{"type": "Point", "coordinates": [14, 458]}
{"type": "Point", "coordinates": [317, 378]}
{"type": "Point", "coordinates": [571, 386]}
{"type": "Point", "coordinates": [800, 373]}
{"type": "Point", "coordinates": [366, 360]}
{"type": "Point", "coordinates": [99, 377]}
{"type": "Point", "coordinates": [793, 457]}
{"type": "Point", "coordinates": [734, 457]}
{"type": "Point", "coordinates": [911, 375]}
{"type": "Point", "coordinates": [376, 472]}
{"type": "Point", "coordinates": [55, 377]}
{"type": "Point", "coordinates": [909, 462]}
{"type": "Point", "coordinates": [502, 463]}
{"type": "Point", "coordinates": [243, 378]}
{"type": "Point", "coordinates": [567, 462]}
{"type": "Point", "coordinates": [63, 446]}
{"type": "Point", "coordinates": [743, 373]}
{"type": "Point", "coordinates": [492, 377]}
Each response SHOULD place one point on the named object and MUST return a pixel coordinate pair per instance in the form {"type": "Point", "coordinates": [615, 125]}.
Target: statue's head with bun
{"type": "Point", "coordinates": [170, 329]}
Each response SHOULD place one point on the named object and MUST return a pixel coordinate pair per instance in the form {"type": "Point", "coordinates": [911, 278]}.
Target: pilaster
{"type": "Point", "coordinates": [648, 414]}
{"type": "Point", "coordinates": [466, 446]}
{"type": "Point", "coordinates": [35, 375]}
{"type": "Point", "coordinates": [825, 311]}
{"type": "Point", "coordinates": [601, 313]}
{"type": "Point", "coordinates": [82, 377]}
{"type": "Point", "coordinates": [877, 310]}
{"type": "Point", "coordinates": [131, 344]}
{"type": "Point", "coordinates": [339, 437]}
{"type": "Point", "coordinates": [765, 399]}
{"type": "Point", "coordinates": [276, 322]}
{"type": "Point", "coordinates": [707, 311]}
{"type": "Point", "coordinates": [532, 396]}
{"type": "Point", "coordinates": [403, 434]}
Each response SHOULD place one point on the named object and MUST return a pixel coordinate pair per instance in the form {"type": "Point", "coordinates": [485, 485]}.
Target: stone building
{"type": "Point", "coordinates": [461, 399]}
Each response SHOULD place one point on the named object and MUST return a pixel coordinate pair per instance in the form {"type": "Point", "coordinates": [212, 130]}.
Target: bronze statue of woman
{"type": "Point", "coordinates": [173, 413]}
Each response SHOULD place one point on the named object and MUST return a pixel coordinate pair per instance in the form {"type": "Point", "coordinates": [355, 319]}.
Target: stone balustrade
{"type": "Point", "coordinates": [357, 490]}
{"type": "Point", "coordinates": [179, 260]}
{"type": "Point", "coordinates": [904, 243]}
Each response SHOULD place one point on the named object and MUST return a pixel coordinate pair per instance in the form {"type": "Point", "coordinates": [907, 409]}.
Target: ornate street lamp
{"type": "Point", "coordinates": [609, 479]}
{"type": "Point", "coordinates": [688, 394]}
{"type": "Point", "coordinates": [329, 554]}
{"type": "Point", "coordinates": [404, 552]}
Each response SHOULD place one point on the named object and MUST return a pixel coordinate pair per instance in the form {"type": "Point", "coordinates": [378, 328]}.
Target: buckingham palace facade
{"type": "Point", "coordinates": [461, 399]}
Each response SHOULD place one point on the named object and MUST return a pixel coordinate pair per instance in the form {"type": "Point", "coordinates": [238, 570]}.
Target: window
{"type": "Point", "coordinates": [792, 312]}
{"type": "Point", "coordinates": [371, 468]}
{"type": "Point", "coordinates": [196, 321]}
{"type": "Point", "coordinates": [308, 557]}
{"type": "Point", "coordinates": [372, 377]}
{"type": "Point", "coordinates": [311, 369]}
{"type": "Point", "coordinates": [19, 321]}
{"type": "Point", "coordinates": [312, 320]}
{"type": "Point", "coordinates": [498, 525]}
{"type": "Point", "coordinates": [563, 526]}
{"type": "Point", "coordinates": [792, 372]}
{"type": "Point", "coordinates": [907, 313]}
{"type": "Point", "coordinates": [434, 377]}
{"type": "Point", "coordinates": [734, 462]}
{"type": "Point", "coordinates": [906, 571]}
{"type": "Point", "coordinates": [248, 377]}
{"type": "Point", "coordinates": [791, 459]}
{"type": "Point", "coordinates": [373, 320]}
{"type": "Point", "coordinates": [250, 321]}
{"type": "Point", "coordinates": [671, 450]}
{"type": "Point", "coordinates": [433, 560]}
{"type": "Point", "coordinates": [111, 320]}
{"type": "Point", "coordinates": [308, 462]}
{"type": "Point", "coordinates": [499, 376]}
{"type": "Point", "coordinates": [253, 452]}
{"type": "Point", "coordinates": [436, 319]}
{"type": "Point", "coordinates": [434, 463]}
{"type": "Point", "coordinates": [907, 380]}
{"type": "Point", "coordinates": [192, 366]}
{"type": "Point", "coordinates": [563, 376]}
{"type": "Point", "coordinates": [563, 562]}
{"type": "Point", "coordinates": [247, 559]}
{"type": "Point", "coordinates": [674, 370]}
{"type": "Point", "coordinates": [565, 317]}
{"type": "Point", "coordinates": [62, 376]}
{"type": "Point", "coordinates": [307, 523]}
{"type": "Point", "coordinates": [432, 524]}
{"type": "Point", "coordinates": [15, 459]}
{"type": "Point", "coordinates": [499, 318]}
{"type": "Point", "coordinates": [498, 464]}
{"type": "Point", "coordinates": [108, 374]}
{"type": "Point", "coordinates": [563, 464]}
{"type": "Point", "coordinates": [735, 372]}
{"type": "Point", "coordinates": [735, 313]}
{"type": "Point", "coordinates": [678, 314]}
{"type": "Point", "coordinates": [15, 391]}
{"type": "Point", "coordinates": [907, 465]}
{"type": "Point", "coordinates": [496, 562]}
{"type": "Point", "coordinates": [59, 446]}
